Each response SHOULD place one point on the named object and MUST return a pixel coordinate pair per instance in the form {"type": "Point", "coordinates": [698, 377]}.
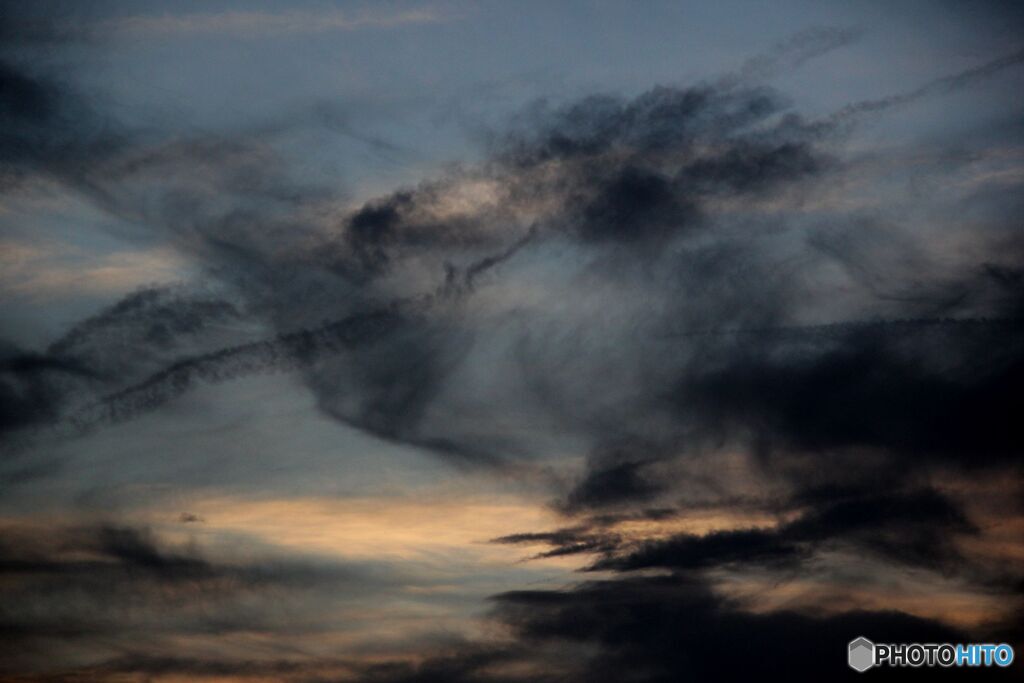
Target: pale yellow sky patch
{"type": "Point", "coordinates": [42, 271]}
{"type": "Point", "coordinates": [429, 529]}
{"type": "Point", "coordinates": [873, 588]}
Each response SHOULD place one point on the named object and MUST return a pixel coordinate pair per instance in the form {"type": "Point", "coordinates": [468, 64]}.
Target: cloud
{"type": "Point", "coordinates": [36, 272]}
{"type": "Point", "coordinates": [249, 24]}
{"type": "Point", "coordinates": [142, 333]}
{"type": "Point", "coordinates": [652, 194]}
{"type": "Point", "coordinates": [91, 588]}
{"type": "Point", "coordinates": [667, 628]}
{"type": "Point", "coordinates": [215, 668]}
{"type": "Point", "coordinates": [46, 127]}
{"type": "Point", "coordinates": [791, 53]}
{"type": "Point", "coordinates": [941, 85]}
{"type": "Point", "coordinates": [911, 527]}
{"type": "Point", "coordinates": [868, 386]}
{"type": "Point", "coordinates": [635, 280]}
{"type": "Point", "coordinates": [29, 386]}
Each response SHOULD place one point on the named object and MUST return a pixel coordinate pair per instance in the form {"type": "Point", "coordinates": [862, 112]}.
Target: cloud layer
{"type": "Point", "coordinates": [649, 307]}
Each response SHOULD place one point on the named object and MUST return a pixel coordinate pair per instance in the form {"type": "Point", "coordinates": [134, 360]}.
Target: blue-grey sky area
{"type": "Point", "coordinates": [367, 98]}
{"type": "Point", "coordinates": [496, 342]}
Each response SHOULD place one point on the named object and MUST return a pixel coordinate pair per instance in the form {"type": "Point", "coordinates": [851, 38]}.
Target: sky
{"type": "Point", "coordinates": [497, 342]}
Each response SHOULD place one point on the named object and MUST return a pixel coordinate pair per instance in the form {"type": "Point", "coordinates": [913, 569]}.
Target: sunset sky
{"type": "Point", "coordinates": [499, 342]}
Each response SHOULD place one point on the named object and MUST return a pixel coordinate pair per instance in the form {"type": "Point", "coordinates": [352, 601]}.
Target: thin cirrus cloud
{"type": "Point", "coordinates": [48, 271]}
{"type": "Point", "coordinates": [265, 24]}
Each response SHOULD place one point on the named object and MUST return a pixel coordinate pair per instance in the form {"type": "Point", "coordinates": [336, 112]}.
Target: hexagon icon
{"type": "Point", "coordinates": [861, 654]}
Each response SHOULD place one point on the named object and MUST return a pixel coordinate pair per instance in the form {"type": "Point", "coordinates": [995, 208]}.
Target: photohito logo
{"type": "Point", "coordinates": [862, 654]}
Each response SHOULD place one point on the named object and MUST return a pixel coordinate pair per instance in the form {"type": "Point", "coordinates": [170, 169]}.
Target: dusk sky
{"type": "Point", "coordinates": [500, 342]}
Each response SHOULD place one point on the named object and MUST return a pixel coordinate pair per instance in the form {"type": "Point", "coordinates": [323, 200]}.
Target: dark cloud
{"type": "Point", "coordinates": [750, 167]}
{"type": "Point", "coordinates": [631, 172]}
{"type": "Point", "coordinates": [569, 541]}
{"type": "Point", "coordinates": [93, 588]}
{"type": "Point", "coordinates": [685, 242]}
{"type": "Point", "coordinates": [674, 628]}
{"type": "Point", "coordinates": [45, 125]}
{"type": "Point", "coordinates": [135, 554]}
{"type": "Point", "coordinates": [908, 527]}
{"type": "Point", "coordinates": [634, 205]}
{"type": "Point", "coordinates": [608, 172]}
{"type": "Point", "coordinates": [29, 386]}
{"type": "Point", "coordinates": [296, 669]}
{"type": "Point", "coordinates": [148, 321]}
{"type": "Point", "coordinates": [925, 391]}
{"type": "Point", "coordinates": [618, 482]}
{"type": "Point", "coordinates": [469, 664]}
{"type": "Point", "coordinates": [655, 126]}
{"type": "Point", "coordinates": [645, 629]}
{"type": "Point", "coordinates": [137, 336]}
{"type": "Point", "coordinates": [465, 665]}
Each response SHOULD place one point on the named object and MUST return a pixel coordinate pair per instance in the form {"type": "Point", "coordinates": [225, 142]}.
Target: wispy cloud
{"type": "Point", "coordinates": [244, 23]}
{"type": "Point", "coordinates": [52, 270]}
